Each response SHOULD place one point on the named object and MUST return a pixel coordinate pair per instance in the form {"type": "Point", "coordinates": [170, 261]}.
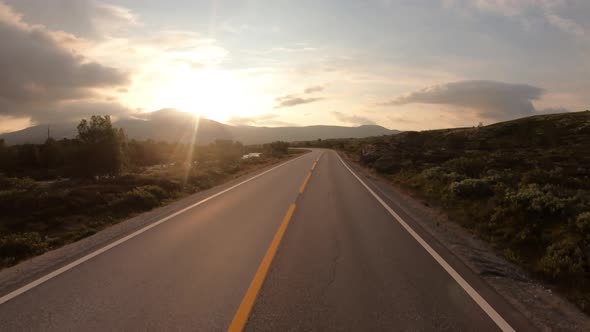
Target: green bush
{"type": "Point", "coordinates": [583, 225]}
{"type": "Point", "coordinates": [157, 191]}
{"type": "Point", "coordinates": [535, 201]}
{"type": "Point", "coordinates": [138, 199]}
{"type": "Point", "coordinates": [583, 222]}
{"type": "Point", "coordinates": [471, 188]}
{"type": "Point", "coordinates": [434, 173]}
{"type": "Point", "coordinates": [471, 166]}
{"type": "Point", "coordinates": [563, 259]}
{"type": "Point", "coordinates": [14, 247]}
{"type": "Point", "coordinates": [277, 148]}
{"type": "Point", "coordinates": [17, 183]}
{"type": "Point", "coordinates": [82, 198]}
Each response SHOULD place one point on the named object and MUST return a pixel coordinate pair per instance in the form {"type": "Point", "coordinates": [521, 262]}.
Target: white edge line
{"type": "Point", "coordinates": [93, 254]}
{"type": "Point", "coordinates": [483, 304]}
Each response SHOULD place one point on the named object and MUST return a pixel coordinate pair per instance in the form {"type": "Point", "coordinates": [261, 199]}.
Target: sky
{"type": "Point", "coordinates": [407, 64]}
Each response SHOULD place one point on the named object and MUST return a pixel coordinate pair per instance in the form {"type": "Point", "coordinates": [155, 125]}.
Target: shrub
{"type": "Point", "coordinates": [138, 199]}
{"type": "Point", "coordinates": [17, 183]}
{"type": "Point", "coordinates": [434, 173]}
{"type": "Point", "coordinates": [471, 166]}
{"type": "Point", "coordinates": [157, 191]}
{"type": "Point", "coordinates": [533, 200]}
{"type": "Point", "coordinates": [562, 259]}
{"type": "Point", "coordinates": [277, 148]}
{"type": "Point", "coordinates": [17, 246]}
{"type": "Point", "coordinates": [454, 177]}
{"type": "Point", "coordinates": [583, 225]}
{"type": "Point", "coordinates": [82, 198]}
{"type": "Point", "coordinates": [201, 181]}
{"type": "Point", "coordinates": [583, 222]}
{"type": "Point", "coordinates": [471, 188]}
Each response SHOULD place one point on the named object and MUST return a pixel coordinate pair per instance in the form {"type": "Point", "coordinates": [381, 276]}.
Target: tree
{"type": "Point", "coordinates": [49, 154]}
{"type": "Point", "coordinates": [101, 147]}
{"type": "Point", "coordinates": [277, 148]}
{"type": "Point", "coordinates": [3, 155]}
{"type": "Point", "coordinates": [227, 152]}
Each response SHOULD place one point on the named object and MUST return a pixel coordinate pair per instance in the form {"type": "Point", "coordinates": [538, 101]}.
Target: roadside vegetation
{"type": "Point", "coordinates": [522, 185]}
{"type": "Point", "coordinates": [61, 191]}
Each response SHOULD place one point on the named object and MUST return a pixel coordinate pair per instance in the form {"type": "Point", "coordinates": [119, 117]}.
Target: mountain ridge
{"type": "Point", "coordinates": [174, 126]}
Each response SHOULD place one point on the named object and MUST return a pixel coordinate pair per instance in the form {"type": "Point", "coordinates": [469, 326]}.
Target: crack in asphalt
{"type": "Point", "coordinates": [333, 266]}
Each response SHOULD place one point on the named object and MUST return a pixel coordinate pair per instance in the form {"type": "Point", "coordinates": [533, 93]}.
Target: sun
{"type": "Point", "coordinates": [215, 94]}
{"type": "Point", "coordinates": [207, 90]}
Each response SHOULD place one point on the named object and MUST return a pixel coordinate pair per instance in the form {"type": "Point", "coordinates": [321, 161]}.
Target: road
{"type": "Point", "coordinates": [289, 250]}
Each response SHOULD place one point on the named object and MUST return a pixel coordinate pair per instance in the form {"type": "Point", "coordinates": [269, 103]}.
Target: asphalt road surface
{"type": "Point", "coordinates": [289, 250]}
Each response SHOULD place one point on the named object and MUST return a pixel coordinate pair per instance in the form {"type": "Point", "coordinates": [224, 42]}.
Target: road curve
{"type": "Point", "coordinates": [340, 261]}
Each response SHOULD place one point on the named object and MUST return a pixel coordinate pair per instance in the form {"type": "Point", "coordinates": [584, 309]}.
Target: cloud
{"type": "Point", "coordinates": [400, 119]}
{"type": "Point", "coordinates": [8, 124]}
{"type": "Point", "coordinates": [504, 7]}
{"type": "Point", "coordinates": [40, 73]}
{"type": "Point", "coordinates": [524, 10]}
{"type": "Point", "coordinates": [488, 99]}
{"type": "Point", "coordinates": [313, 89]}
{"type": "Point", "coordinates": [267, 119]}
{"type": "Point", "coordinates": [566, 25]}
{"type": "Point", "coordinates": [92, 19]}
{"type": "Point", "coordinates": [294, 100]}
{"type": "Point", "coordinates": [353, 119]}
{"type": "Point", "coordinates": [64, 111]}
{"type": "Point", "coordinates": [76, 110]}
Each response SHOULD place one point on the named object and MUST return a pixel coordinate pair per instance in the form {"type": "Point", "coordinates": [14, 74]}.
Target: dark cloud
{"type": "Point", "coordinates": [268, 119]}
{"type": "Point", "coordinates": [65, 111]}
{"type": "Point", "coordinates": [85, 18]}
{"type": "Point", "coordinates": [353, 119]}
{"type": "Point", "coordinates": [76, 110]}
{"type": "Point", "coordinates": [294, 100]}
{"type": "Point", "coordinates": [313, 89]}
{"type": "Point", "coordinates": [299, 99]}
{"type": "Point", "coordinates": [40, 74]}
{"type": "Point", "coordinates": [489, 99]}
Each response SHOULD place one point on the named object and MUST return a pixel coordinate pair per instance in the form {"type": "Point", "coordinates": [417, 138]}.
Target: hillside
{"type": "Point", "coordinates": [547, 139]}
{"type": "Point", "coordinates": [173, 126]}
{"type": "Point", "coordinates": [522, 185]}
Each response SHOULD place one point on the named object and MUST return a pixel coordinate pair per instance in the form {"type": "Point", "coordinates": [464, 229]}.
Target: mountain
{"type": "Point", "coordinates": [173, 126]}
{"type": "Point", "coordinates": [253, 135]}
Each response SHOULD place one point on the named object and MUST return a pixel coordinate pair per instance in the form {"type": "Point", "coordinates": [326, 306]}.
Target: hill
{"type": "Point", "coordinates": [173, 126]}
{"type": "Point", "coordinates": [522, 185]}
{"type": "Point", "coordinates": [540, 137]}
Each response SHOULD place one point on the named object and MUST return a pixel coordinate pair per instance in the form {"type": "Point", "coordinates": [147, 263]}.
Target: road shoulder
{"type": "Point", "coordinates": [543, 308]}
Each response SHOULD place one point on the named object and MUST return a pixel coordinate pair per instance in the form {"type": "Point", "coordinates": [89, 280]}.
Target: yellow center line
{"type": "Point", "coordinates": [302, 188]}
{"type": "Point", "coordinates": [313, 166]}
{"type": "Point", "coordinates": [241, 316]}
